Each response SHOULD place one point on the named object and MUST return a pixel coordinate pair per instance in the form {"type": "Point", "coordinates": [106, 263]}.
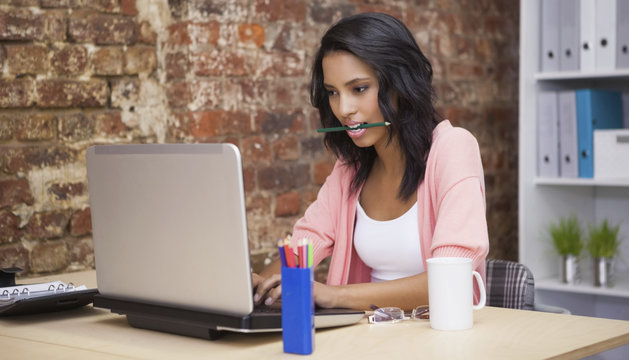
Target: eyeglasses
{"type": "Point", "coordinates": [391, 315]}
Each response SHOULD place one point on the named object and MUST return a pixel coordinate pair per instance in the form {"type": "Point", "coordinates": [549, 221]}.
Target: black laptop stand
{"type": "Point", "coordinates": [186, 322]}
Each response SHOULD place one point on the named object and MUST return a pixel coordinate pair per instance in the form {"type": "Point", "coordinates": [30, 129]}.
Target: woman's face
{"type": "Point", "coordinates": [352, 89]}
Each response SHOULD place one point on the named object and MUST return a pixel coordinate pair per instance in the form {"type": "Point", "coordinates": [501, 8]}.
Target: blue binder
{"type": "Point", "coordinates": [596, 109]}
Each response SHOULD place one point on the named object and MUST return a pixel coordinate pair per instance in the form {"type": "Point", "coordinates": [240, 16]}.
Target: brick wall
{"type": "Point", "coordinates": [75, 73]}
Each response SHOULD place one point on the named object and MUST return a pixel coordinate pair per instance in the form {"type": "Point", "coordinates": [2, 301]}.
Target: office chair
{"type": "Point", "coordinates": [511, 285]}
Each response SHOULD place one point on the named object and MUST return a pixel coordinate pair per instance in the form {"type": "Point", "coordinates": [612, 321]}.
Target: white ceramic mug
{"type": "Point", "coordinates": [451, 293]}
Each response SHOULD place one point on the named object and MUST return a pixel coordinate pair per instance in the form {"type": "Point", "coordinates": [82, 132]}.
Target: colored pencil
{"type": "Point", "coordinates": [345, 128]}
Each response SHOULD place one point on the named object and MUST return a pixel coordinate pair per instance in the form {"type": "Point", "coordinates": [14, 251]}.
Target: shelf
{"type": "Point", "coordinates": [581, 182]}
{"type": "Point", "coordinates": [576, 75]}
{"type": "Point", "coordinates": [620, 289]}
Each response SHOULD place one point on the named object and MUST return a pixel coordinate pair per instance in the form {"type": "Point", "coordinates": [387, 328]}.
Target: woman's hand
{"type": "Point", "coordinates": [325, 295]}
{"type": "Point", "coordinates": [267, 290]}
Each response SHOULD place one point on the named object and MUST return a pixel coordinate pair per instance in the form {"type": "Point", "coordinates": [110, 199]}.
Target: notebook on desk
{"type": "Point", "coordinates": [170, 239]}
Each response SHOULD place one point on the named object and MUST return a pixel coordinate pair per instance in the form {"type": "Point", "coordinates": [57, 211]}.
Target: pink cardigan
{"type": "Point", "coordinates": [451, 210]}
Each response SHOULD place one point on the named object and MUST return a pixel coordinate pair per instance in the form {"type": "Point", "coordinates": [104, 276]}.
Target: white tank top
{"type": "Point", "coordinates": [390, 248]}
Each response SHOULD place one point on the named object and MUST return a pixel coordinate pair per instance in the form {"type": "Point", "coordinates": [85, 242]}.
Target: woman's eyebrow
{"type": "Point", "coordinates": [349, 83]}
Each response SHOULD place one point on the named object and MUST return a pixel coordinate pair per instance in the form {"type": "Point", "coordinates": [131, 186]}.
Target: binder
{"type": "Point", "coordinates": [605, 28]}
{"type": "Point", "coordinates": [622, 40]}
{"type": "Point", "coordinates": [569, 19]}
{"type": "Point", "coordinates": [587, 51]}
{"type": "Point", "coordinates": [568, 158]}
{"type": "Point", "coordinates": [550, 35]}
{"type": "Point", "coordinates": [596, 109]}
{"type": "Point", "coordinates": [625, 109]}
{"type": "Point", "coordinates": [547, 137]}
{"type": "Point", "coordinates": [43, 297]}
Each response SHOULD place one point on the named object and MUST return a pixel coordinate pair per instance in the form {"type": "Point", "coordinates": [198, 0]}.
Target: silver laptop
{"type": "Point", "coordinates": [170, 239]}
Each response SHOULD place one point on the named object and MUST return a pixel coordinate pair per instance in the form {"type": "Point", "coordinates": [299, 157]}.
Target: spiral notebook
{"type": "Point", "coordinates": [170, 239]}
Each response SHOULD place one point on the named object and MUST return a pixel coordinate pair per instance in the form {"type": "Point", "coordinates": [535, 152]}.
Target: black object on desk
{"type": "Point", "coordinates": [16, 302]}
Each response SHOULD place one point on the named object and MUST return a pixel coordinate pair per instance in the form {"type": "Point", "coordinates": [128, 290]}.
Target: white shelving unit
{"type": "Point", "coordinates": [544, 200]}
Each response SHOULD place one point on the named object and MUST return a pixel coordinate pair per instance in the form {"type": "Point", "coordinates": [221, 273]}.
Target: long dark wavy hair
{"type": "Point", "coordinates": [404, 75]}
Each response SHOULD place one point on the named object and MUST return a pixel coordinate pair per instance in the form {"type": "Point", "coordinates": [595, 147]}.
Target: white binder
{"type": "Point", "coordinates": [569, 35]}
{"type": "Point", "coordinates": [547, 137]}
{"type": "Point", "coordinates": [622, 40]}
{"type": "Point", "coordinates": [605, 22]}
{"type": "Point", "coordinates": [568, 147]}
{"type": "Point", "coordinates": [550, 35]}
{"type": "Point", "coordinates": [587, 53]}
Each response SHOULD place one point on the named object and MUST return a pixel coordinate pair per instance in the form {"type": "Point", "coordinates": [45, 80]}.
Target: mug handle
{"type": "Point", "coordinates": [481, 287]}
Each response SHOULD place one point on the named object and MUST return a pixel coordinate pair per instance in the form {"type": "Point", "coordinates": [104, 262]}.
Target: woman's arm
{"type": "Point", "coordinates": [406, 293]}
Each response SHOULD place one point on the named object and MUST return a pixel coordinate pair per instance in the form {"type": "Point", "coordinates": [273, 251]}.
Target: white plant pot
{"type": "Point", "coordinates": [570, 269]}
{"type": "Point", "coordinates": [603, 271]}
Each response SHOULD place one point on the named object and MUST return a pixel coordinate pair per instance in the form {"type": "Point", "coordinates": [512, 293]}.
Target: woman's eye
{"type": "Point", "coordinates": [361, 89]}
{"type": "Point", "coordinates": [331, 92]}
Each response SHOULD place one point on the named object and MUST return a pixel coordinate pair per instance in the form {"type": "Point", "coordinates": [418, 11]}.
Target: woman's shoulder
{"type": "Point", "coordinates": [448, 137]}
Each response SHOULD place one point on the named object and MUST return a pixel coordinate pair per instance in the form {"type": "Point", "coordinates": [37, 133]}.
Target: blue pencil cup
{"type": "Point", "coordinates": [298, 310]}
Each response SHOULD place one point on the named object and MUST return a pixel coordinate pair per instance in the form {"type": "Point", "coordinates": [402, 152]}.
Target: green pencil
{"type": "Point", "coordinates": [345, 128]}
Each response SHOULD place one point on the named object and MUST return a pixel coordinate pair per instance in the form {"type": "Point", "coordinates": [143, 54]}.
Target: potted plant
{"type": "Point", "coordinates": [603, 245]}
{"type": "Point", "coordinates": [568, 241]}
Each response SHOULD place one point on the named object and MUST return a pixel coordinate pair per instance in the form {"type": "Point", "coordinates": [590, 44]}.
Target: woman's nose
{"type": "Point", "coordinates": [347, 106]}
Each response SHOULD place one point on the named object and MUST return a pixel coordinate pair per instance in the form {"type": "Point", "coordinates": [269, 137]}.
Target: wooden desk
{"type": "Point", "coordinates": [92, 333]}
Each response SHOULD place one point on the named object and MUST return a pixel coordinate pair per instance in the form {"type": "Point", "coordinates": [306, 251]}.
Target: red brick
{"type": "Point", "coordinates": [255, 149]}
{"type": "Point", "coordinates": [21, 24]}
{"type": "Point", "coordinates": [178, 34]}
{"type": "Point", "coordinates": [280, 122]}
{"type": "Point", "coordinates": [219, 62]}
{"type": "Point", "coordinates": [251, 34]}
{"type": "Point", "coordinates": [70, 60]}
{"type": "Point", "coordinates": [27, 59]}
{"type": "Point", "coordinates": [49, 257]}
{"type": "Point", "coordinates": [47, 225]}
{"type": "Point", "coordinates": [178, 93]}
{"type": "Point", "coordinates": [67, 190]}
{"type": "Point", "coordinates": [15, 159]}
{"type": "Point", "coordinates": [15, 192]}
{"type": "Point", "coordinates": [109, 123]}
{"type": "Point", "coordinates": [9, 227]}
{"type": "Point", "coordinates": [81, 222]}
{"type": "Point", "coordinates": [128, 7]}
{"type": "Point", "coordinates": [461, 70]}
{"type": "Point", "coordinates": [286, 148]}
{"type": "Point", "coordinates": [16, 93]}
{"type": "Point", "coordinates": [204, 125]}
{"type": "Point", "coordinates": [278, 10]}
{"type": "Point", "coordinates": [36, 127]}
{"type": "Point", "coordinates": [287, 204]}
{"type": "Point", "coordinates": [145, 33]}
{"type": "Point", "coordinates": [75, 127]}
{"type": "Point", "coordinates": [140, 60]}
{"type": "Point", "coordinates": [248, 177]}
{"type": "Point", "coordinates": [321, 171]}
{"type": "Point", "coordinates": [14, 255]}
{"type": "Point", "coordinates": [177, 65]}
{"type": "Point", "coordinates": [66, 93]}
{"type": "Point", "coordinates": [101, 29]}
{"type": "Point", "coordinates": [283, 176]}
{"type": "Point", "coordinates": [108, 61]}
{"type": "Point", "coordinates": [55, 23]}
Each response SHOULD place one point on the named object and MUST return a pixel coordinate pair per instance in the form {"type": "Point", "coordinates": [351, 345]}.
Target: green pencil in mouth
{"type": "Point", "coordinates": [361, 126]}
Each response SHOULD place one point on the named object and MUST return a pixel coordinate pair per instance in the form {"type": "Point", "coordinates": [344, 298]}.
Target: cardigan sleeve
{"type": "Point", "coordinates": [319, 222]}
{"type": "Point", "coordinates": [459, 194]}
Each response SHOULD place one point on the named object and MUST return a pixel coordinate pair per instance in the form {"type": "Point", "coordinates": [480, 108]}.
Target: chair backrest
{"type": "Point", "coordinates": [509, 285]}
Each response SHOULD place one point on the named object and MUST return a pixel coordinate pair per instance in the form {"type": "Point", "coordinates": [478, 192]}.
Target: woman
{"type": "Point", "coordinates": [398, 194]}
